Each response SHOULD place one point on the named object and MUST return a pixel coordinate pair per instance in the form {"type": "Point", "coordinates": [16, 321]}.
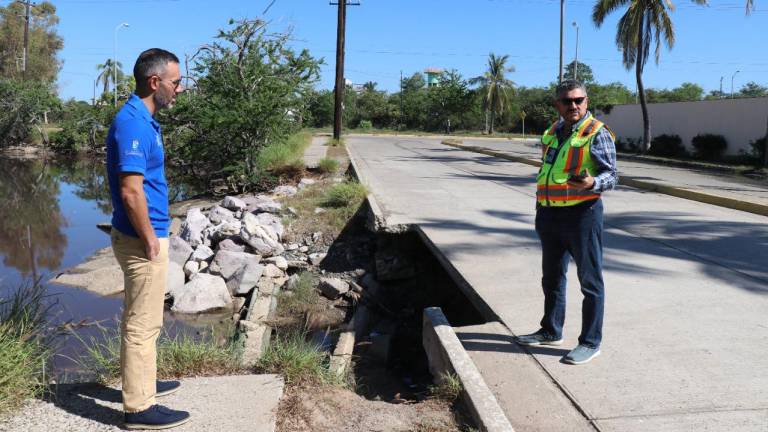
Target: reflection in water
{"type": "Point", "coordinates": [30, 219]}
{"type": "Point", "coordinates": [48, 216]}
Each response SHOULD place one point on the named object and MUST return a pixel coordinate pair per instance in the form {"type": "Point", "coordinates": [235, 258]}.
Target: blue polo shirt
{"type": "Point", "coordinates": [135, 145]}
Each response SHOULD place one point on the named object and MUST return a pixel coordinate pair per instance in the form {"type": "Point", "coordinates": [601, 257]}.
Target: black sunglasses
{"type": "Point", "coordinates": [568, 101]}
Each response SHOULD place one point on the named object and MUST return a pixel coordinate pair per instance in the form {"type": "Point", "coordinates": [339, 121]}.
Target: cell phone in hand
{"type": "Point", "coordinates": [577, 177]}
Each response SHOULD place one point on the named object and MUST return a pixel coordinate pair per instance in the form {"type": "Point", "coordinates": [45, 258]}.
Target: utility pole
{"type": "Point", "coordinates": [562, 17]}
{"type": "Point", "coordinates": [27, 15]}
{"type": "Point", "coordinates": [721, 87]}
{"type": "Point", "coordinates": [400, 123]}
{"type": "Point", "coordinates": [338, 91]}
{"type": "Point", "coordinates": [576, 62]}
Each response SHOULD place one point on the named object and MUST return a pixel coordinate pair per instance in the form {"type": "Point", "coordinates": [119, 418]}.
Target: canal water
{"type": "Point", "coordinates": [48, 216]}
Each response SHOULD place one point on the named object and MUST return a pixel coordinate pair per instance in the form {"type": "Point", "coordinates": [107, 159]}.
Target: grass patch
{"type": "Point", "coordinates": [287, 155]}
{"type": "Point", "coordinates": [448, 389]}
{"type": "Point", "coordinates": [177, 356]}
{"type": "Point", "coordinates": [333, 142]}
{"type": "Point", "coordinates": [25, 346]}
{"type": "Point", "coordinates": [348, 194]}
{"type": "Point", "coordinates": [340, 202]}
{"type": "Point", "coordinates": [328, 165]}
{"type": "Point", "coordinates": [298, 360]}
{"type": "Point", "coordinates": [302, 297]}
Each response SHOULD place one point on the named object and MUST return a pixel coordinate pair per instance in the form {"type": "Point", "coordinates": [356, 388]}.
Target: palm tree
{"type": "Point", "coordinates": [643, 21]}
{"type": "Point", "coordinates": [496, 87]}
{"type": "Point", "coordinates": [107, 73]}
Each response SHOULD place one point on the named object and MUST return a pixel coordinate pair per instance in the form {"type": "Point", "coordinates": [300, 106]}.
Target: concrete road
{"type": "Point", "coordinates": [686, 326]}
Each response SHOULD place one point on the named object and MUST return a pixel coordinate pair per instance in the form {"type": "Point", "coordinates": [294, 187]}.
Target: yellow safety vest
{"type": "Point", "coordinates": [558, 162]}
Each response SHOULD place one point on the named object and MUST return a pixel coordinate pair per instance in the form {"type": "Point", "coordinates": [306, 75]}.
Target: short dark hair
{"type": "Point", "coordinates": [152, 62]}
{"type": "Point", "coordinates": [568, 85]}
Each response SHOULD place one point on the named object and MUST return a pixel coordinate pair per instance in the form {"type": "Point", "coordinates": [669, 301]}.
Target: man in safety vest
{"type": "Point", "coordinates": [578, 164]}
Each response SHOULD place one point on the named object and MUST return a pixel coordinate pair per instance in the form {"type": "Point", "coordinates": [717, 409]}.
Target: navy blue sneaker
{"type": "Point", "coordinates": [164, 388]}
{"type": "Point", "coordinates": [155, 417]}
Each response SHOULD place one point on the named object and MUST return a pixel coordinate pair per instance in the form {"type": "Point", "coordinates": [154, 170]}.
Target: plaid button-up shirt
{"type": "Point", "coordinates": [603, 152]}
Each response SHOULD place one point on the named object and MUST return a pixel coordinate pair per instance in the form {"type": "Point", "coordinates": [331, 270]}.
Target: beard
{"type": "Point", "coordinates": [163, 100]}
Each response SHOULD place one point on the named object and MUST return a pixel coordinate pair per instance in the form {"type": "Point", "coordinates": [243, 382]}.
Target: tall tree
{"type": "Point", "coordinates": [44, 43]}
{"type": "Point", "coordinates": [583, 73]}
{"type": "Point", "coordinates": [644, 22]}
{"type": "Point", "coordinates": [107, 74]}
{"type": "Point", "coordinates": [753, 89]}
{"type": "Point", "coordinates": [497, 87]}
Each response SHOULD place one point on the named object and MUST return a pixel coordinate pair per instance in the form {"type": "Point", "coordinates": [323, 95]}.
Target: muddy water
{"type": "Point", "coordinates": [48, 216]}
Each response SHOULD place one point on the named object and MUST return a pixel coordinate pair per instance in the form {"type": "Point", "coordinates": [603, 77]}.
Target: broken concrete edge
{"type": "Point", "coordinates": [378, 221]}
{"type": "Point", "coordinates": [630, 181]}
{"type": "Point", "coordinates": [472, 295]}
{"type": "Point", "coordinates": [447, 355]}
{"type": "Point", "coordinates": [341, 358]}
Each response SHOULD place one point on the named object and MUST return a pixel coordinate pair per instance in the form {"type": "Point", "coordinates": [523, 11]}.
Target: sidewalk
{"type": "Point", "coordinates": [227, 403]}
{"type": "Point", "coordinates": [687, 294]}
{"type": "Point", "coordinates": [721, 189]}
{"type": "Point", "coordinates": [316, 151]}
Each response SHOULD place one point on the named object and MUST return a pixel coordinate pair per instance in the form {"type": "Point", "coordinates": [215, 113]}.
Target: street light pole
{"type": "Point", "coordinates": [732, 77]}
{"type": "Point", "coordinates": [114, 59]}
{"type": "Point", "coordinates": [562, 17]}
{"type": "Point", "coordinates": [576, 62]}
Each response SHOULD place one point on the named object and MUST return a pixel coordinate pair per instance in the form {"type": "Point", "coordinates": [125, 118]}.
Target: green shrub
{"type": "Point", "coordinates": [328, 165]}
{"type": "Point", "coordinates": [25, 346]}
{"type": "Point", "coordinates": [298, 360]}
{"type": "Point", "coordinates": [350, 194]}
{"type": "Point", "coordinates": [628, 144]}
{"type": "Point", "coordinates": [178, 356]}
{"type": "Point", "coordinates": [709, 146]}
{"type": "Point", "coordinates": [758, 148]}
{"type": "Point", "coordinates": [365, 125]}
{"type": "Point", "coordinates": [667, 146]}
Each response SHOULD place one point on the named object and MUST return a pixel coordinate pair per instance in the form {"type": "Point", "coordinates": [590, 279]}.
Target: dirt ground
{"type": "Point", "coordinates": [340, 410]}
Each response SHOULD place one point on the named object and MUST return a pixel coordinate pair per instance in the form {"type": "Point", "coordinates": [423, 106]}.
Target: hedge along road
{"type": "Point", "coordinates": [687, 288]}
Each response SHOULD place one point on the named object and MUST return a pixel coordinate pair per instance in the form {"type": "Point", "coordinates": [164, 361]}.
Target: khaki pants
{"type": "Point", "coordinates": [142, 318]}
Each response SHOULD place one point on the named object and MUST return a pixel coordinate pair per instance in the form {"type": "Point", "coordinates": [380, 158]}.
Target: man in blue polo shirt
{"type": "Point", "coordinates": [140, 221]}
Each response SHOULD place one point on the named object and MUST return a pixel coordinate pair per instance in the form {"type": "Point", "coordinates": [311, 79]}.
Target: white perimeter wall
{"type": "Point", "coordinates": [740, 121]}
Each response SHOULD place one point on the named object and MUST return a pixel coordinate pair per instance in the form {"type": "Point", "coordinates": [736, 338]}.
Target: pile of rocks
{"type": "Point", "coordinates": [231, 251]}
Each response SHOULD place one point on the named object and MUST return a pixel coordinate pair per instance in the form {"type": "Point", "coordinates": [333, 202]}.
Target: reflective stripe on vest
{"type": "Point", "coordinates": [573, 157]}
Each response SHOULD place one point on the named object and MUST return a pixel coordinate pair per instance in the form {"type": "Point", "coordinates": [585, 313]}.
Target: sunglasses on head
{"type": "Point", "coordinates": [568, 101]}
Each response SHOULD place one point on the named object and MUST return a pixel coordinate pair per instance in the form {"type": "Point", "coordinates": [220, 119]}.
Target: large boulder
{"type": "Point", "coordinates": [224, 230]}
{"type": "Point", "coordinates": [219, 214]}
{"type": "Point", "coordinates": [262, 238]}
{"type": "Point", "coordinates": [193, 227]}
{"type": "Point", "coordinates": [244, 279]}
{"type": "Point", "coordinates": [272, 221]}
{"type": "Point", "coordinates": [262, 204]}
{"type": "Point", "coordinates": [285, 190]}
{"type": "Point", "coordinates": [232, 244]}
{"type": "Point", "coordinates": [233, 203]}
{"type": "Point", "coordinates": [203, 293]}
{"type": "Point", "coordinates": [174, 277]}
{"type": "Point", "coordinates": [332, 288]}
{"type": "Point", "coordinates": [227, 263]}
{"type": "Point", "coordinates": [179, 250]}
{"type": "Point", "coordinates": [202, 253]}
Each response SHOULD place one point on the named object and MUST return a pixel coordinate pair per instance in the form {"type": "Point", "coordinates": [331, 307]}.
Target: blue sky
{"type": "Point", "coordinates": [387, 36]}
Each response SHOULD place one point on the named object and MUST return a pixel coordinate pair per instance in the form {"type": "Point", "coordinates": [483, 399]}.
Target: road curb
{"type": "Point", "coordinates": [447, 356]}
{"type": "Point", "coordinates": [679, 192]}
{"type": "Point", "coordinates": [377, 220]}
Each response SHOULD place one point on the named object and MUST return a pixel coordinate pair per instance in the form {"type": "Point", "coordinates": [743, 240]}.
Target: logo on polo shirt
{"type": "Point", "coordinates": [134, 151]}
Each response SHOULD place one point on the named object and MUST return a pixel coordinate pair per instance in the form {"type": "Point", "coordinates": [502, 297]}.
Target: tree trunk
{"type": "Point", "coordinates": [639, 62]}
{"type": "Point", "coordinates": [493, 120]}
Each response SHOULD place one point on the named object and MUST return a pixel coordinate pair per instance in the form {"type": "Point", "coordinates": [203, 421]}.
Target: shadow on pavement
{"type": "Point", "coordinates": [81, 400]}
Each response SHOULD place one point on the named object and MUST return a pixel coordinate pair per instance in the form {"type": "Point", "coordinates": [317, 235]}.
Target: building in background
{"type": "Point", "coordinates": [433, 76]}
